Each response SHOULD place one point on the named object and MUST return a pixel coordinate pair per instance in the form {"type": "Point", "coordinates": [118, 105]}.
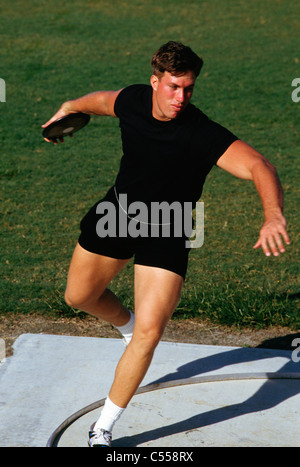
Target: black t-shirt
{"type": "Point", "coordinates": [165, 160]}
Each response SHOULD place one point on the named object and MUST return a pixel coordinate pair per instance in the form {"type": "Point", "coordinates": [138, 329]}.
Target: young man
{"type": "Point", "coordinates": [169, 147]}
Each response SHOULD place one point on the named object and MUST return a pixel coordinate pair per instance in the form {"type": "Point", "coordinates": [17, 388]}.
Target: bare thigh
{"type": "Point", "coordinates": [89, 275]}
{"type": "Point", "coordinates": [157, 292]}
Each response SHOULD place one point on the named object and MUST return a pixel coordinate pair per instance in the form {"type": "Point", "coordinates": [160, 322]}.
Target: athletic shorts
{"type": "Point", "coordinates": [170, 253]}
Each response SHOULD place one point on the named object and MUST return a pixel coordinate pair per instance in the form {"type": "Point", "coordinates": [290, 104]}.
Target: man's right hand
{"type": "Point", "coordinates": [64, 110]}
{"type": "Point", "coordinates": [96, 103]}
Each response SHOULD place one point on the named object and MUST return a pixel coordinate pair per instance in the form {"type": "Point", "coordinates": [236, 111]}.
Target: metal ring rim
{"type": "Point", "coordinates": [56, 435]}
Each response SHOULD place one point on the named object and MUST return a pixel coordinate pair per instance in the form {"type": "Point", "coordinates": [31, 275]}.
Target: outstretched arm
{"type": "Point", "coordinates": [244, 162]}
{"type": "Point", "coordinates": [96, 103]}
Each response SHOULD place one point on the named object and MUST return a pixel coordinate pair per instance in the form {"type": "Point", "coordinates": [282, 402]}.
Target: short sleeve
{"type": "Point", "coordinates": [219, 139]}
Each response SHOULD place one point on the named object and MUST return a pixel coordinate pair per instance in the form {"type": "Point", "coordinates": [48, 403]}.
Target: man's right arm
{"type": "Point", "coordinates": [96, 103]}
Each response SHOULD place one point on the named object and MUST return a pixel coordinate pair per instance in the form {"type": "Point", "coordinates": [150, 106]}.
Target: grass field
{"type": "Point", "coordinates": [50, 54]}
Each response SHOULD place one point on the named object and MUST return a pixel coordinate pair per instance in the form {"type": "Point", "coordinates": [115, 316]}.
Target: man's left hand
{"type": "Point", "coordinates": [271, 236]}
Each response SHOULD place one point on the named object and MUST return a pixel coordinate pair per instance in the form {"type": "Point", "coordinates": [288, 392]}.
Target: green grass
{"type": "Point", "coordinates": [251, 56]}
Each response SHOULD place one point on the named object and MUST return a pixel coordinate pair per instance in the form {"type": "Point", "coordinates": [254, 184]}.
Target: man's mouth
{"type": "Point", "coordinates": [177, 107]}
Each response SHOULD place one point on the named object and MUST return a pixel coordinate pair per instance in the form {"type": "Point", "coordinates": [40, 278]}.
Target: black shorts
{"type": "Point", "coordinates": [170, 253]}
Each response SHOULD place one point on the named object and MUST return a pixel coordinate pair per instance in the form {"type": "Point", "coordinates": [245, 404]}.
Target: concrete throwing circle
{"type": "Point", "coordinates": [58, 433]}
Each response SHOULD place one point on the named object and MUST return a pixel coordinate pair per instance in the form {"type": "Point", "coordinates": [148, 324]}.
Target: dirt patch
{"type": "Point", "coordinates": [187, 331]}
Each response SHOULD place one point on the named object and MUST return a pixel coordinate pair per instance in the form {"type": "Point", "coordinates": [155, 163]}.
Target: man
{"type": "Point", "coordinates": [169, 147]}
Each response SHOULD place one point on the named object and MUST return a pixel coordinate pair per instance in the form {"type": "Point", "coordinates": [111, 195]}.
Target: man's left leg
{"type": "Point", "coordinates": [157, 292]}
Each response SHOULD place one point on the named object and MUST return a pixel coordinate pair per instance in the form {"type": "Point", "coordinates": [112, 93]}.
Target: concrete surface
{"type": "Point", "coordinates": [51, 377]}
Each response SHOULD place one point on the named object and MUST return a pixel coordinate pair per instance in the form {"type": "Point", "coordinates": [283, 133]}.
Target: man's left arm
{"type": "Point", "coordinates": [243, 161]}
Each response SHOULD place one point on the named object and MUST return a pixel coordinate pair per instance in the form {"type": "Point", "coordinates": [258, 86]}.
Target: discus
{"type": "Point", "coordinates": [66, 126]}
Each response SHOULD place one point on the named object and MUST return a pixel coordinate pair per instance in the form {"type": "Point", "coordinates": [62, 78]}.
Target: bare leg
{"type": "Point", "coordinates": [157, 292]}
{"type": "Point", "coordinates": [89, 275]}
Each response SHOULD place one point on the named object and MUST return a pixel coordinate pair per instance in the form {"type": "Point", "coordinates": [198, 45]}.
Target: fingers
{"type": "Point", "coordinates": [271, 246]}
{"type": "Point", "coordinates": [62, 112]}
{"type": "Point", "coordinates": [286, 237]}
{"type": "Point", "coordinates": [54, 140]}
{"type": "Point", "coordinates": [272, 238]}
{"type": "Point", "coordinates": [55, 117]}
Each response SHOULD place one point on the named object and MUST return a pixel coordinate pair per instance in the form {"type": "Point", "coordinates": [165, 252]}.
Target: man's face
{"type": "Point", "coordinates": [171, 94]}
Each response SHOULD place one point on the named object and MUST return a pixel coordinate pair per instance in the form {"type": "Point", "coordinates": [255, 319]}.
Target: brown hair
{"type": "Point", "coordinates": [176, 59]}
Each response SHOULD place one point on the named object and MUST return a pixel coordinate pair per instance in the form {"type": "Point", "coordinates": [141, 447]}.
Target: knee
{"type": "Point", "coordinates": [147, 338]}
{"type": "Point", "coordinates": [75, 299]}
{"type": "Point", "coordinates": [70, 300]}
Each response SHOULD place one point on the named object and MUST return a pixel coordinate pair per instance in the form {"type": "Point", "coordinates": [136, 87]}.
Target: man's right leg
{"type": "Point", "coordinates": [89, 276]}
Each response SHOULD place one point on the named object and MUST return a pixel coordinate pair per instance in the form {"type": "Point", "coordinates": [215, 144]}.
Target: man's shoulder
{"type": "Point", "coordinates": [135, 89]}
{"type": "Point", "coordinates": [132, 96]}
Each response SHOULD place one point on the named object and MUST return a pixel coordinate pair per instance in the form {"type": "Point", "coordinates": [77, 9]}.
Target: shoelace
{"type": "Point", "coordinates": [106, 435]}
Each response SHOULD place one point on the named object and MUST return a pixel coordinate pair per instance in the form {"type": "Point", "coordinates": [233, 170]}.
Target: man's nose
{"type": "Point", "coordinates": [180, 95]}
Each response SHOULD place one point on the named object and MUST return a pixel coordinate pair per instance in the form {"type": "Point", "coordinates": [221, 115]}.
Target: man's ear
{"type": "Point", "coordinates": [154, 81]}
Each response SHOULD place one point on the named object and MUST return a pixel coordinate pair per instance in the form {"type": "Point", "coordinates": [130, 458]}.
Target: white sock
{"type": "Point", "coordinates": [109, 415]}
{"type": "Point", "coordinates": [127, 329]}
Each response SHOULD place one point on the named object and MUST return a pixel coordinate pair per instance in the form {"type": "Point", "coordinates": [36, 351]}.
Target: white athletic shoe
{"type": "Point", "coordinates": [99, 438]}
